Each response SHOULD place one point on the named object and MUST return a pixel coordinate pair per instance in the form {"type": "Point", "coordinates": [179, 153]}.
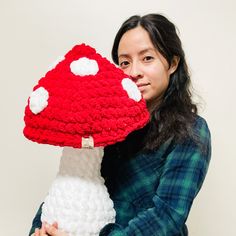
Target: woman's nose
{"type": "Point", "coordinates": [135, 72]}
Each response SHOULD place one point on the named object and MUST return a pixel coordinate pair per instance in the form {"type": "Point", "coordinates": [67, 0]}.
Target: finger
{"type": "Point", "coordinates": [50, 229]}
{"type": "Point", "coordinates": [55, 224]}
{"type": "Point", "coordinates": [36, 232]}
{"type": "Point", "coordinates": [43, 230]}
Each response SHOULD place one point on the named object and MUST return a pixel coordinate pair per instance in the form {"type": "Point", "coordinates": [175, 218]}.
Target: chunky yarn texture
{"type": "Point", "coordinates": [84, 96]}
{"type": "Point", "coordinates": [78, 199]}
{"type": "Point", "coordinates": [83, 104]}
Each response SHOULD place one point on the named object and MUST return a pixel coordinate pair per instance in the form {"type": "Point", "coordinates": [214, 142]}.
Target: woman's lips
{"type": "Point", "coordinates": [142, 86]}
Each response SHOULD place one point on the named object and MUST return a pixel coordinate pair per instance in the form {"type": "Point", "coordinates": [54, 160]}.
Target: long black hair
{"type": "Point", "coordinates": [174, 117]}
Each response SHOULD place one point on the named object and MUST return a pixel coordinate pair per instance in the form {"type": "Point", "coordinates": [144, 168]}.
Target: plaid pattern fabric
{"type": "Point", "coordinates": [153, 192]}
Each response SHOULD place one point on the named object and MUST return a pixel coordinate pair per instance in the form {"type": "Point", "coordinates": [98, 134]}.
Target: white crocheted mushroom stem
{"type": "Point", "coordinates": [78, 199]}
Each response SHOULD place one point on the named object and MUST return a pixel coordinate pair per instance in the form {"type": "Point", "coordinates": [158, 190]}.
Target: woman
{"type": "Point", "coordinates": [155, 174]}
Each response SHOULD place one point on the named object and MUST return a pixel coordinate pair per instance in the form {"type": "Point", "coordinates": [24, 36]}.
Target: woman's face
{"type": "Point", "coordinates": [139, 59]}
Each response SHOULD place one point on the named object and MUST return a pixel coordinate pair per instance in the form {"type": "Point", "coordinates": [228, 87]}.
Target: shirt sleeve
{"type": "Point", "coordinates": [36, 221]}
{"type": "Point", "coordinates": [183, 175]}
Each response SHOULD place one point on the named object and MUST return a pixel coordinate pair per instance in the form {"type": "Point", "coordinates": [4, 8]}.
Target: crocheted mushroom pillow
{"type": "Point", "coordinates": [83, 103]}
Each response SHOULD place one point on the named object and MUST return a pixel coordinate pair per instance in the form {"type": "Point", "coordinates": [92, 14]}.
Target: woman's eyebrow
{"type": "Point", "coordinates": [143, 51]}
{"type": "Point", "coordinates": [124, 55]}
{"type": "Point", "coordinates": [146, 50]}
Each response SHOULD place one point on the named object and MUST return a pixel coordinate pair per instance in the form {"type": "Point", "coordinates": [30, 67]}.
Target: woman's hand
{"type": "Point", "coordinates": [53, 230]}
{"type": "Point", "coordinates": [48, 229]}
{"type": "Point", "coordinates": [40, 232]}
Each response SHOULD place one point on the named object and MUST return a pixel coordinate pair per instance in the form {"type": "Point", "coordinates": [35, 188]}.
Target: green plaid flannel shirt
{"type": "Point", "coordinates": [153, 192]}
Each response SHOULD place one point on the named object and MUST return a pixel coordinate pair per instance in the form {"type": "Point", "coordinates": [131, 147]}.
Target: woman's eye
{"type": "Point", "coordinates": [124, 64]}
{"type": "Point", "coordinates": [148, 58]}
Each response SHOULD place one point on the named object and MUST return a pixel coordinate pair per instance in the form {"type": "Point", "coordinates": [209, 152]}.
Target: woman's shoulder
{"type": "Point", "coordinates": [192, 152]}
{"type": "Point", "coordinates": [201, 123]}
{"type": "Point", "coordinates": [199, 143]}
{"type": "Point", "coordinates": [201, 129]}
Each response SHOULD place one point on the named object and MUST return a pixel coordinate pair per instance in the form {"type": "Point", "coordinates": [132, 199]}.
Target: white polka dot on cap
{"type": "Point", "coordinates": [38, 100]}
{"type": "Point", "coordinates": [132, 90]}
{"type": "Point", "coordinates": [84, 66]}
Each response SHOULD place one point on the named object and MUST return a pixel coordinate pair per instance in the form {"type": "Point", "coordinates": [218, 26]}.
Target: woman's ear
{"type": "Point", "coordinates": [174, 64]}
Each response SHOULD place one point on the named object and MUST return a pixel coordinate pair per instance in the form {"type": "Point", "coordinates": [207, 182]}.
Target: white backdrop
{"type": "Point", "coordinates": [34, 33]}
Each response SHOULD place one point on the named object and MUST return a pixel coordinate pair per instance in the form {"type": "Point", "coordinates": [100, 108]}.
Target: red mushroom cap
{"type": "Point", "coordinates": [84, 98]}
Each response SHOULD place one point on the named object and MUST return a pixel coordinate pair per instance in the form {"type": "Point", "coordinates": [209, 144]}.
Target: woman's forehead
{"type": "Point", "coordinates": [136, 40]}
